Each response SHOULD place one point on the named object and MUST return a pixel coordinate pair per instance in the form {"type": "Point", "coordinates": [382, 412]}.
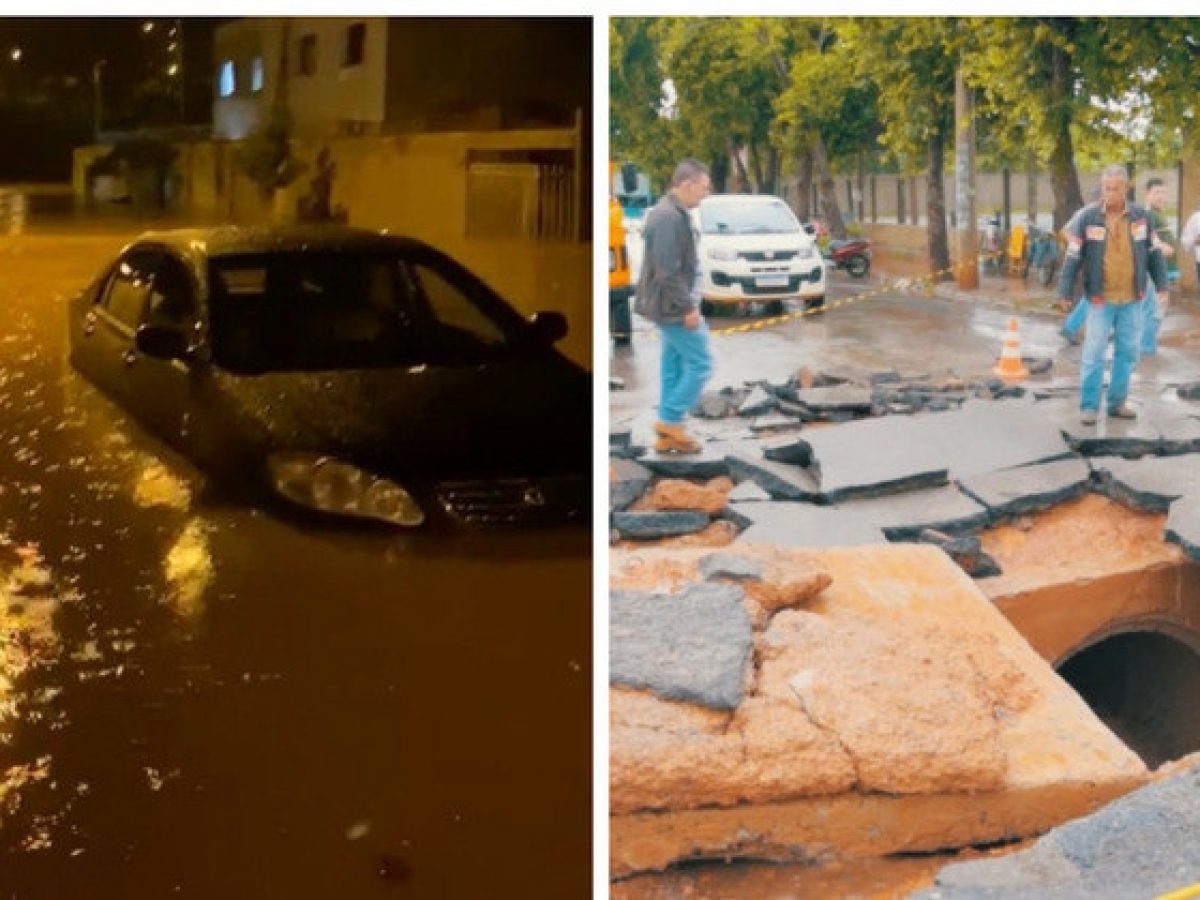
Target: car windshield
{"type": "Point", "coordinates": [735, 217]}
{"type": "Point", "coordinates": [339, 310]}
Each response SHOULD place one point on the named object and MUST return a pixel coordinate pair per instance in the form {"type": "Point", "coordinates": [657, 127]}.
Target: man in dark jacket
{"type": "Point", "coordinates": [668, 294]}
{"type": "Point", "coordinates": [1113, 242]}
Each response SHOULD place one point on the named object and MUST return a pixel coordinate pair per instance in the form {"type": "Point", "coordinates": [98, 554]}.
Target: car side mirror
{"type": "Point", "coordinates": [550, 327]}
{"type": "Point", "coordinates": [161, 343]}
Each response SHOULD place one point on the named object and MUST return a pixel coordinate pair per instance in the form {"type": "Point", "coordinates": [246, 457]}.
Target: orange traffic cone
{"type": "Point", "coordinates": [1010, 367]}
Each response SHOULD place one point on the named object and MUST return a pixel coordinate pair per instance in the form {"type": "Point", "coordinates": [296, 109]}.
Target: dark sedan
{"type": "Point", "coordinates": [345, 371]}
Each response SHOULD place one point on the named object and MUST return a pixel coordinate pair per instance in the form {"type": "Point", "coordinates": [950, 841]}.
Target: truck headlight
{"type": "Point", "coordinates": [807, 252]}
{"type": "Point", "coordinates": [329, 485]}
{"type": "Point", "coordinates": [722, 253]}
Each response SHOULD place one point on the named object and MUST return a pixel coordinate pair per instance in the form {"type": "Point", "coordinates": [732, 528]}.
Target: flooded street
{"type": "Point", "coordinates": [202, 699]}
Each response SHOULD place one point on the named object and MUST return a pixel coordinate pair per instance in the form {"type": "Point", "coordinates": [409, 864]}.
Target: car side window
{"type": "Point", "coordinates": [172, 302]}
{"type": "Point", "coordinates": [128, 290]}
{"type": "Point", "coordinates": [449, 306]}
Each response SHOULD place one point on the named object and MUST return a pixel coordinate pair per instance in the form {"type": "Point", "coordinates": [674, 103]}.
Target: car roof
{"type": "Point", "coordinates": [235, 240]}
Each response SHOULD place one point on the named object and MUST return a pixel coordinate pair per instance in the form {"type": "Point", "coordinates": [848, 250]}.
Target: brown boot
{"type": "Point", "coordinates": [674, 439]}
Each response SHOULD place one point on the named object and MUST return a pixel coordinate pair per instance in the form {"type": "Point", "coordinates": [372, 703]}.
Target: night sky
{"type": "Point", "coordinates": [47, 98]}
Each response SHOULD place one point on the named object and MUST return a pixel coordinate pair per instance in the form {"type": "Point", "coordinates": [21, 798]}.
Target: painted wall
{"type": "Point", "coordinates": [414, 185]}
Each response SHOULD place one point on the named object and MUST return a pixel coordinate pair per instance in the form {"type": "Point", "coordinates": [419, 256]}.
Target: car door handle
{"type": "Point", "coordinates": [129, 357]}
{"type": "Point", "coordinates": [89, 324]}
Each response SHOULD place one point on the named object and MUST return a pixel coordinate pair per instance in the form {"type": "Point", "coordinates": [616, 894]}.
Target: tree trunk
{"type": "Point", "coordinates": [912, 200]}
{"type": "Point", "coordinates": [1063, 177]}
{"type": "Point", "coordinates": [1031, 201]}
{"type": "Point", "coordinates": [720, 173]}
{"type": "Point", "coordinates": [804, 169]}
{"type": "Point", "coordinates": [900, 216]}
{"type": "Point", "coordinates": [862, 187]}
{"type": "Point", "coordinates": [1007, 220]}
{"type": "Point", "coordinates": [756, 168]}
{"type": "Point", "coordinates": [772, 176]}
{"type": "Point", "coordinates": [874, 199]}
{"type": "Point", "coordinates": [739, 168]}
{"type": "Point", "coordinates": [830, 211]}
{"type": "Point", "coordinates": [935, 202]}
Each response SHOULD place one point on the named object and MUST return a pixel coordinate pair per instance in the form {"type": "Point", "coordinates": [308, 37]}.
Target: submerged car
{"type": "Point", "coordinates": [753, 250]}
{"type": "Point", "coordinates": [343, 371]}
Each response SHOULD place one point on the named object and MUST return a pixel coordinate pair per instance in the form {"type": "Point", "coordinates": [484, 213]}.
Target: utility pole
{"type": "Point", "coordinates": [964, 183]}
{"type": "Point", "coordinates": [97, 97]}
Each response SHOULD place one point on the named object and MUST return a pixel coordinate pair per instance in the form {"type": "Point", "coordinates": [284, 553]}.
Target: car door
{"type": "Point", "coordinates": [164, 387]}
{"type": "Point", "coordinates": [106, 345]}
{"type": "Point", "coordinates": [498, 402]}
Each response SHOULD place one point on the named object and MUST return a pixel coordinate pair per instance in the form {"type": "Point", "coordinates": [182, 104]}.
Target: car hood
{"type": "Point", "coordinates": [518, 416]}
{"type": "Point", "coordinates": [739, 243]}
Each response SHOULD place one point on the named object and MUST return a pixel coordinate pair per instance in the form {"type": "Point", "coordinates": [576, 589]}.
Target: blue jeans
{"type": "Point", "coordinates": [686, 365]}
{"type": "Point", "coordinates": [1076, 319]}
{"type": "Point", "coordinates": [1125, 319]}
{"type": "Point", "coordinates": [1150, 319]}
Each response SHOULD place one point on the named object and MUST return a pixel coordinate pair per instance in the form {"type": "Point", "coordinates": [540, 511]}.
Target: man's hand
{"type": "Point", "coordinates": [692, 320]}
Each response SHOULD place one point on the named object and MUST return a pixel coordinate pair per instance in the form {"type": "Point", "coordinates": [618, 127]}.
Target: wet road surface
{"type": "Point", "coordinates": [200, 699]}
{"type": "Point", "coordinates": [900, 330]}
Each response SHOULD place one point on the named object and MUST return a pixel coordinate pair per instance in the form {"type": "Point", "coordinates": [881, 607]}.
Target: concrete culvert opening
{"type": "Point", "coordinates": [1143, 685]}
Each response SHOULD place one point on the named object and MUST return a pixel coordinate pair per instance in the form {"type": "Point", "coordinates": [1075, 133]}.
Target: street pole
{"type": "Point", "coordinates": [180, 74]}
{"type": "Point", "coordinates": [97, 97]}
{"type": "Point", "coordinates": [964, 183]}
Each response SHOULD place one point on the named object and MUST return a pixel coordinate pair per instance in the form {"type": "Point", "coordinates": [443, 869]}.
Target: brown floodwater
{"type": "Point", "coordinates": [201, 699]}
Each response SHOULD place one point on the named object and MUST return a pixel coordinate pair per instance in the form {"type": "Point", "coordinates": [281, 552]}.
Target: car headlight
{"type": "Point", "coordinates": [723, 253]}
{"type": "Point", "coordinates": [329, 485]}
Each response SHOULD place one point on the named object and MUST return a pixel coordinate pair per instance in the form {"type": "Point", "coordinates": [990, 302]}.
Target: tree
{"type": "Point", "coordinates": [912, 61]}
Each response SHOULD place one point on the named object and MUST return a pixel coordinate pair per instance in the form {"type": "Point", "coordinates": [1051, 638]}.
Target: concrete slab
{"type": "Point", "coordinates": [896, 711]}
{"type": "Point", "coordinates": [748, 492]}
{"type": "Point", "coordinates": [875, 456]}
{"type": "Point", "coordinates": [1183, 526]}
{"type": "Point", "coordinates": [781, 481]}
{"type": "Point", "coordinates": [627, 480]}
{"type": "Point", "coordinates": [694, 645]}
{"type": "Point", "coordinates": [1151, 483]}
{"type": "Point", "coordinates": [650, 525]}
{"type": "Point", "coordinates": [897, 517]}
{"type": "Point", "coordinates": [1026, 489]}
{"type": "Point", "coordinates": [706, 464]}
{"type": "Point", "coordinates": [1142, 845]}
{"type": "Point", "coordinates": [805, 525]}
{"type": "Point", "coordinates": [790, 449]}
{"type": "Point", "coordinates": [842, 398]}
{"type": "Point", "coordinates": [758, 403]}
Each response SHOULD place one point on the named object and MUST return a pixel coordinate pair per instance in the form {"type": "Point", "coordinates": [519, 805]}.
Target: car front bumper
{"type": "Point", "coordinates": [735, 283]}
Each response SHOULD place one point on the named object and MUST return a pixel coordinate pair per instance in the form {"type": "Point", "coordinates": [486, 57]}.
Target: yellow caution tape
{"type": "Point", "coordinates": [1184, 893]}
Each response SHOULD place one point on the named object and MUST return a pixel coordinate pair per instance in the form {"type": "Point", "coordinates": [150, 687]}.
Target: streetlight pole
{"type": "Point", "coordinates": [97, 96]}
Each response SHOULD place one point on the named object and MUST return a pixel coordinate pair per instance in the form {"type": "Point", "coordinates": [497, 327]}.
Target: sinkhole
{"type": "Point", "coordinates": [1144, 686]}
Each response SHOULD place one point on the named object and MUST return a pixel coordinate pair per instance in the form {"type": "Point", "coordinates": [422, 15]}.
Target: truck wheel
{"type": "Point", "coordinates": [813, 303]}
{"type": "Point", "coordinates": [773, 308]}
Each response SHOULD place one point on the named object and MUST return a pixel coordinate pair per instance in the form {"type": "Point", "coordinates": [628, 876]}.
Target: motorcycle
{"type": "Point", "coordinates": [853, 255]}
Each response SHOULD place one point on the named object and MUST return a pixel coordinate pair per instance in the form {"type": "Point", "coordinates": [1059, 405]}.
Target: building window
{"type": "Point", "coordinates": [356, 44]}
{"type": "Point", "coordinates": [256, 74]}
{"type": "Point", "coordinates": [226, 79]}
{"type": "Point", "coordinates": [308, 54]}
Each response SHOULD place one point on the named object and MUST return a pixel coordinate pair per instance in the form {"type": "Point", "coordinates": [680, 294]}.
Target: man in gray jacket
{"type": "Point", "coordinates": [668, 294]}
